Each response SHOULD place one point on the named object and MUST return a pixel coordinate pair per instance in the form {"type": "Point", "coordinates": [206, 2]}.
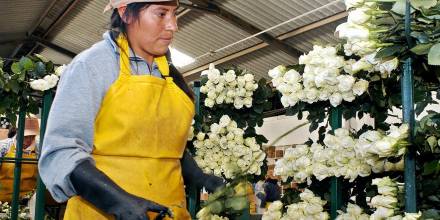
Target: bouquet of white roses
{"type": "Point", "coordinates": [322, 80]}
{"type": "Point", "coordinates": [225, 151]}
{"type": "Point", "coordinates": [228, 88]}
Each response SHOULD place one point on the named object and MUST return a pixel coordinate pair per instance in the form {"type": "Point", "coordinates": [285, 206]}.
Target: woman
{"type": "Point", "coordinates": [119, 122]}
{"type": "Point", "coordinates": [28, 176]}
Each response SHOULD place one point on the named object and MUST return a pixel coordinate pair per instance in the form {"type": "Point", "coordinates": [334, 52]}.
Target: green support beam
{"type": "Point", "coordinates": [18, 156]}
{"type": "Point", "coordinates": [336, 183]}
{"type": "Point", "coordinates": [409, 118]}
{"type": "Point", "coordinates": [41, 188]}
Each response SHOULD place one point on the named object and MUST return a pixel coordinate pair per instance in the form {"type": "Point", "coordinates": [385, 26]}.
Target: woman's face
{"type": "Point", "coordinates": [154, 30]}
{"type": "Point", "coordinates": [28, 140]}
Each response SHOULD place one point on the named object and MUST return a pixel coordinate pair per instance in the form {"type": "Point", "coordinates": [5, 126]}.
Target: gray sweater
{"type": "Point", "coordinates": [69, 135]}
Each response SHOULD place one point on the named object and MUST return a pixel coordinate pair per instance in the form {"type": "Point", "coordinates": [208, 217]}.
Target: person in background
{"type": "Point", "coordinates": [259, 188]}
{"type": "Point", "coordinates": [117, 130]}
{"type": "Point", "coordinates": [28, 171]}
{"type": "Point", "coordinates": [272, 191]}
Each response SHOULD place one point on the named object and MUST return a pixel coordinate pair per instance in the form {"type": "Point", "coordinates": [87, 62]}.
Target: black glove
{"type": "Point", "coordinates": [98, 189]}
{"type": "Point", "coordinates": [192, 174]}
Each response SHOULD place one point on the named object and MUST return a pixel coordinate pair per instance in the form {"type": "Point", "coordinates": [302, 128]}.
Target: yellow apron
{"type": "Point", "coordinates": [27, 181]}
{"type": "Point", "coordinates": [140, 136]}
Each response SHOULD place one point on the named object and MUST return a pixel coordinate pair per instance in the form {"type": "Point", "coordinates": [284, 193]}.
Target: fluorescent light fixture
{"type": "Point", "coordinates": [180, 59]}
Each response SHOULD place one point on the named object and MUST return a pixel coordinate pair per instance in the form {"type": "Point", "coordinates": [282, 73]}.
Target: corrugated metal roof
{"type": "Point", "coordinates": [17, 18]}
{"type": "Point", "coordinates": [322, 36]}
{"type": "Point", "coordinates": [55, 57]}
{"type": "Point", "coordinates": [265, 14]}
{"type": "Point", "coordinates": [261, 61]}
{"type": "Point", "coordinates": [204, 32]}
{"type": "Point", "coordinates": [82, 27]}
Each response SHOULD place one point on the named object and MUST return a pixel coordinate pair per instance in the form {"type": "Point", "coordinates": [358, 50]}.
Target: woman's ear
{"type": "Point", "coordinates": [121, 11]}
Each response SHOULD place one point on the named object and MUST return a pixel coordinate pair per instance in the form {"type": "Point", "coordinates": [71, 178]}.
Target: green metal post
{"type": "Point", "coordinates": [193, 191]}
{"type": "Point", "coordinates": [18, 155]}
{"type": "Point", "coordinates": [409, 118]}
{"type": "Point", "coordinates": [335, 188]}
{"type": "Point", "coordinates": [41, 188]}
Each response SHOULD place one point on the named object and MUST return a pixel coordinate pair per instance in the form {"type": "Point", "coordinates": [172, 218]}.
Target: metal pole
{"type": "Point", "coordinates": [336, 183]}
{"type": "Point", "coordinates": [18, 155]}
{"type": "Point", "coordinates": [41, 188]}
{"type": "Point", "coordinates": [409, 118]}
{"type": "Point", "coordinates": [193, 191]}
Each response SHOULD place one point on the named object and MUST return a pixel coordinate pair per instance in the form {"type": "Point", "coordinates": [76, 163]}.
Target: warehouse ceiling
{"type": "Point", "coordinates": [211, 31]}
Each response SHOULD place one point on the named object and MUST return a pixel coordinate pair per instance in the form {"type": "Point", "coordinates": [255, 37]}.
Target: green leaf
{"type": "Point", "coordinates": [421, 37]}
{"type": "Point", "coordinates": [389, 51]}
{"type": "Point", "coordinates": [418, 4]}
{"type": "Point", "coordinates": [421, 49]}
{"type": "Point", "coordinates": [26, 63]}
{"type": "Point", "coordinates": [431, 167]}
{"type": "Point", "coordinates": [15, 68]}
{"type": "Point", "coordinates": [434, 55]}
{"type": "Point", "coordinates": [40, 69]}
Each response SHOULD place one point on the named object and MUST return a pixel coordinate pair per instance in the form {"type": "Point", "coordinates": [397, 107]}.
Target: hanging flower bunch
{"type": "Point", "coordinates": [6, 211]}
{"type": "Point", "coordinates": [353, 212]}
{"type": "Point", "coordinates": [343, 155]}
{"type": "Point", "coordinates": [311, 207]}
{"type": "Point", "coordinates": [229, 87]}
{"type": "Point", "coordinates": [225, 151]}
{"type": "Point", "coordinates": [24, 82]}
{"type": "Point", "coordinates": [322, 79]}
{"type": "Point", "coordinates": [48, 81]}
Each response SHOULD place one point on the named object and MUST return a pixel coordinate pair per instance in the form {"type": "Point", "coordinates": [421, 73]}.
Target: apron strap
{"type": "Point", "coordinates": [124, 60]}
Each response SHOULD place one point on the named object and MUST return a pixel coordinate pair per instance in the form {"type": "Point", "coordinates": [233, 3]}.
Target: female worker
{"type": "Point", "coordinates": [115, 141]}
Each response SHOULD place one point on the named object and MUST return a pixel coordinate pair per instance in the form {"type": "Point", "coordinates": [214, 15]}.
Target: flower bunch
{"type": "Point", "coordinates": [231, 199]}
{"type": "Point", "coordinates": [4, 123]}
{"type": "Point", "coordinates": [311, 208]}
{"type": "Point", "coordinates": [354, 212]}
{"type": "Point", "coordinates": [48, 81]}
{"type": "Point", "coordinates": [386, 202]}
{"type": "Point", "coordinates": [5, 211]}
{"type": "Point", "coordinates": [322, 79]}
{"type": "Point", "coordinates": [343, 155]}
{"type": "Point", "coordinates": [297, 162]}
{"type": "Point", "coordinates": [225, 151]}
{"type": "Point", "coordinates": [274, 211]}
{"type": "Point", "coordinates": [228, 88]}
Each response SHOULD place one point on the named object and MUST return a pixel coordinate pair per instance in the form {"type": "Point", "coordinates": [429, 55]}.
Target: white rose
{"type": "Point", "coordinates": [238, 103]}
{"type": "Point", "coordinates": [224, 121]}
{"type": "Point", "coordinates": [248, 102]}
{"type": "Point", "coordinates": [200, 136]}
{"type": "Point", "coordinates": [311, 95]}
{"type": "Point", "coordinates": [248, 77]}
{"type": "Point", "coordinates": [353, 3]}
{"type": "Point", "coordinates": [209, 102]}
{"type": "Point", "coordinates": [384, 201]}
{"type": "Point", "coordinates": [359, 16]}
{"type": "Point", "coordinates": [277, 71]}
{"type": "Point", "coordinates": [388, 66]}
{"type": "Point", "coordinates": [219, 88]}
{"type": "Point", "coordinates": [40, 84]}
{"type": "Point", "coordinates": [360, 87]}
{"type": "Point", "coordinates": [285, 101]}
{"type": "Point", "coordinates": [345, 82]}
{"type": "Point", "coordinates": [361, 65]}
{"type": "Point", "coordinates": [59, 70]}
{"type": "Point", "coordinates": [204, 89]}
{"type": "Point", "coordinates": [230, 76]}
{"type": "Point", "coordinates": [250, 86]}
{"type": "Point", "coordinates": [348, 96]}
{"type": "Point", "coordinates": [292, 76]}
{"type": "Point", "coordinates": [214, 75]}
{"type": "Point", "coordinates": [335, 99]}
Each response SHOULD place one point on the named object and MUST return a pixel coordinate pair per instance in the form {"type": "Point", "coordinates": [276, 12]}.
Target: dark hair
{"type": "Point", "coordinates": [118, 26]}
{"type": "Point", "coordinates": [12, 132]}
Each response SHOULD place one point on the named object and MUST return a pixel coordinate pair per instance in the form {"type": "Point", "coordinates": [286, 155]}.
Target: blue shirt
{"type": "Point", "coordinates": [70, 129]}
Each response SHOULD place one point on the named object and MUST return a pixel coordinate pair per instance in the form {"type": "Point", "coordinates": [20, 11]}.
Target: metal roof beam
{"type": "Point", "coordinates": [209, 6]}
{"type": "Point", "coordinates": [194, 73]}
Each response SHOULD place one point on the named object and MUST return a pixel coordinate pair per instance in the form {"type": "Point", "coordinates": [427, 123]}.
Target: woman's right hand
{"type": "Point", "coordinates": [98, 189]}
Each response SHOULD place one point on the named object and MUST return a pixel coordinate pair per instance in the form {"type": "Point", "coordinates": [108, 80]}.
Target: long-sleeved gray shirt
{"type": "Point", "coordinates": [70, 129]}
